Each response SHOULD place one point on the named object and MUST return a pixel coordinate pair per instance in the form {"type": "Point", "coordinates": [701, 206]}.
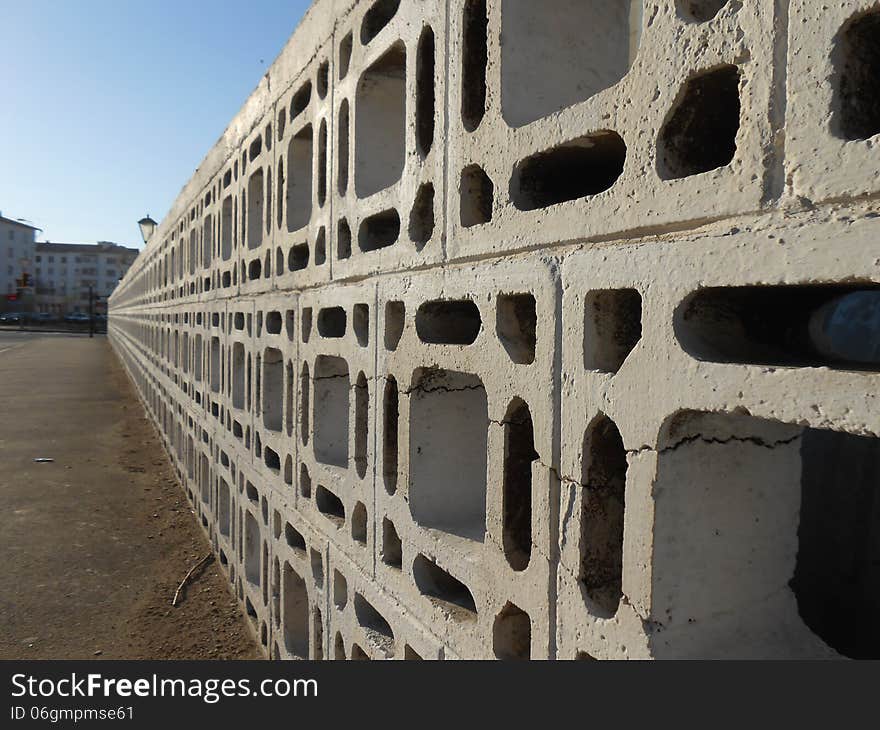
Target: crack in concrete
{"type": "Point", "coordinates": [755, 440]}
{"type": "Point", "coordinates": [441, 389]}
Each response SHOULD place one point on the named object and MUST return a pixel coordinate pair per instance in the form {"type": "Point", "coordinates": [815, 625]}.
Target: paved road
{"type": "Point", "coordinates": [93, 545]}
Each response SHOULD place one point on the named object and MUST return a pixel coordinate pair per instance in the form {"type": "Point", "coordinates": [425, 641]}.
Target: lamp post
{"type": "Point", "coordinates": [148, 227]}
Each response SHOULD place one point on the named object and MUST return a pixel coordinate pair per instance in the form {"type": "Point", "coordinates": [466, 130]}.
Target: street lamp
{"type": "Point", "coordinates": [147, 226]}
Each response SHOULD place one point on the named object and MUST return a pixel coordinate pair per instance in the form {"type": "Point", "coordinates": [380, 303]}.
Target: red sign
{"type": "Point", "coordinates": [12, 297]}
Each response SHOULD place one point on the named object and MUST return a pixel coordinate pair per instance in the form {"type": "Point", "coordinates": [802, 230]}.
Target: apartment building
{"type": "Point", "coordinates": [17, 241]}
{"type": "Point", "coordinates": [65, 271]}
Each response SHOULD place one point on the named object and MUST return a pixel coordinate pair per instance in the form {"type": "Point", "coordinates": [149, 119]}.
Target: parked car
{"type": "Point", "coordinates": [76, 317]}
{"type": "Point", "coordinates": [10, 318]}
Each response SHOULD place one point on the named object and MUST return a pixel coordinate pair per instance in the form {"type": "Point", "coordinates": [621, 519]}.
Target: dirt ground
{"type": "Point", "coordinates": [94, 544]}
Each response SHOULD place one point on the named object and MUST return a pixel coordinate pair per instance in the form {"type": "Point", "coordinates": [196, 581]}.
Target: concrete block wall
{"type": "Point", "coordinates": [504, 329]}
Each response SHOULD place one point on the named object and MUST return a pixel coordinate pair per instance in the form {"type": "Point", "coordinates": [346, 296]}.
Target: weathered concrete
{"type": "Point", "coordinates": [511, 329]}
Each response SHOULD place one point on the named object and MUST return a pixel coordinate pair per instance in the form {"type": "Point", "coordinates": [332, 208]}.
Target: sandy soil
{"type": "Point", "coordinates": [94, 544]}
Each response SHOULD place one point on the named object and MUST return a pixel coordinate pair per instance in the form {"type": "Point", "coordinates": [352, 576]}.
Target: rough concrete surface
{"type": "Point", "coordinates": [513, 329]}
{"type": "Point", "coordinates": [96, 542]}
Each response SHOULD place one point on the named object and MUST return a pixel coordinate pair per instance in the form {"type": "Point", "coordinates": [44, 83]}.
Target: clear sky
{"type": "Point", "coordinates": [108, 106]}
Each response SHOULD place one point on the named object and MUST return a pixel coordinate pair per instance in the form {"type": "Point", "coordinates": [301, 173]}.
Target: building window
{"type": "Point", "coordinates": [11, 235]}
{"type": "Point", "coordinates": [64, 259]}
{"type": "Point", "coordinates": [51, 259]}
{"type": "Point", "coordinates": [39, 258]}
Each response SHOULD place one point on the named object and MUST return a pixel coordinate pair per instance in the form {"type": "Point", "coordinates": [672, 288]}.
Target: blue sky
{"type": "Point", "coordinates": [108, 106]}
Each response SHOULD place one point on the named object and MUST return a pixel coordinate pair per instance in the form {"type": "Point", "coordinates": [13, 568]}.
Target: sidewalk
{"type": "Point", "coordinates": [95, 543]}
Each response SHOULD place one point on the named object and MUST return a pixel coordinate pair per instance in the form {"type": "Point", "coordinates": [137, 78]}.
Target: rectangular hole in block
{"type": "Point", "coordinates": [391, 418]}
{"type": "Point", "coordinates": [238, 375]}
{"type": "Point", "coordinates": [559, 53]}
{"type": "Point", "coordinates": [392, 547]}
{"type": "Point", "coordinates": [306, 324]}
{"type": "Point", "coordinates": [256, 148]}
{"type": "Point", "coordinates": [475, 57]}
{"type": "Point", "coordinates": [612, 328]}
{"type": "Point", "coordinates": [519, 455]}
{"type": "Point", "coordinates": [379, 231]}
{"type": "Point", "coordinates": [834, 326]}
{"type": "Point", "coordinates": [395, 319]}
{"type": "Point", "coordinates": [340, 590]}
{"type": "Point", "coordinates": [226, 229]}
{"type": "Point", "coordinates": [342, 165]}
{"type": "Point", "coordinates": [289, 403]}
{"type": "Point", "coordinates": [332, 322]}
{"type": "Point", "coordinates": [298, 258]}
{"type": "Point", "coordinates": [359, 522]}
{"type": "Point", "coordinates": [449, 322]}
{"type": "Point", "coordinates": [802, 504]}
{"type": "Point", "coordinates": [250, 610]}
{"type": "Point", "coordinates": [443, 589]}
{"type": "Point", "coordinates": [295, 540]}
{"type": "Point", "coordinates": [273, 323]}
{"type": "Point", "coordinates": [512, 633]}
{"type": "Point", "coordinates": [376, 18]}
{"type": "Point", "coordinates": [856, 111]}
{"type": "Point", "coordinates": [317, 562]}
{"type": "Point", "coordinates": [318, 653]}
{"type": "Point", "coordinates": [305, 387]}
{"type": "Point", "coordinates": [272, 460]}
{"type": "Point", "coordinates": [300, 101]}
{"type": "Point", "coordinates": [477, 199]}
{"type": "Point", "coordinates": [273, 379]}
{"type": "Point", "coordinates": [223, 508]}
{"type": "Point", "coordinates": [252, 494]}
{"type": "Point", "coordinates": [265, 576]}
{"type": "Point", "coordinates": [296, 614]}
{"type": "Point", "coordinates": [603, 506]}
{"type": "Point", "coordinates": [380, 123]}
{"type": "Point", "coordinates": [330, 506]}
{"type": "Point", "coordinates": [346, 46]}
{"type": "Point", "coordinates": [578, 169]}
{"type": "Point", "coordinates": [361, 323]}
{"type": "Point", "coordinates": [425, 92]}
{"type": "Point", "coordinates": [255, 199]}
{"type": "Point", "coordinates": [377, 629]}
{"type": "Point", "coordinates": [322, 163]}
{"type": "Point", "coordinates": [516, 326]}
{"type": "Point", "coordinates": [299, 180]}
{"type": "Point", "coordinates": [251, 549]}
{"type": "Point", "coordinates": [700, 132]}
{"type": "Point", "coordinates": [837, 575]}
{"type": "Point", "coordinates": [448, 441]}
{"type": "Point", "coordinates": [361, 424]}
{"type": "Point", "coordinates": [343, 240]}
{"type": "Point", "coordinates": [322, 79]}
{"type": "Point", "coordinates": [421, 217]}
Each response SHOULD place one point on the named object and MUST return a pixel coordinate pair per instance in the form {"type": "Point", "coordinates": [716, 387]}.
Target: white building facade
{"type": "Point", "coordinates": [17, 244]}
{"type": "Point", "coordinates": [66, 271]}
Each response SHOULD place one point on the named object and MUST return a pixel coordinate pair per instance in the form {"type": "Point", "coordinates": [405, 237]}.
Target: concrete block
{"type": "Point", "coordinates": [832, 116]}
{"type": "Point", "coordinates": [497, 329]}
